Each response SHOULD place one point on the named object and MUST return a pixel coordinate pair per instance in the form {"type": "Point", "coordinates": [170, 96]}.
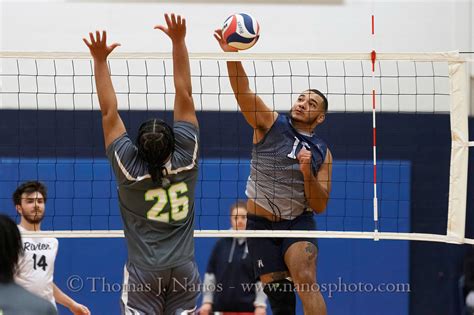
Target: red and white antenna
{"type": "Point", "coordinates": [373, 57]}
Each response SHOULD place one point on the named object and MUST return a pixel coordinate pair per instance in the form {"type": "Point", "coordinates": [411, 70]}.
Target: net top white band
{"type": "Point", "coordinates": [275, 234]}
{"type": "Point", "coordinates": [429, 56]}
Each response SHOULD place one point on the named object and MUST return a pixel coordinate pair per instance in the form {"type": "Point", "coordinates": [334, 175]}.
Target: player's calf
{"type": "Point", "coordinates": [281, 295]}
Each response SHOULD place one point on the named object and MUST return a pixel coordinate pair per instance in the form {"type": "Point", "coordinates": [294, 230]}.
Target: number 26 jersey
{"type": "Point", "coordinates": [158, 220]}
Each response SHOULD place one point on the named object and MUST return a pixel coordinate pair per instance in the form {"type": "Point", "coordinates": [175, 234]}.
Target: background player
{"type": "Point", "coordinates": [290, 177]}
{"type": "Point", "coordinates": [36, 266]}
{"type": "Point", "coordinates": [14, 299]}
{"type": "Point", "coordinates": [156, 179]}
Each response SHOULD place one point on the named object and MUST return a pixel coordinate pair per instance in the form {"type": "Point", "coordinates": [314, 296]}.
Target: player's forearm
{"type": "Point", "coordinates": [181, 69]}
{"type": "Point", "coordinates": [238, 78]}
{"type": "Point", "coordinates": [105, 88]}
{"type": "Point", "coordinates": [61, 297]}
{"type": "Point", "coordinates": [315, 193]}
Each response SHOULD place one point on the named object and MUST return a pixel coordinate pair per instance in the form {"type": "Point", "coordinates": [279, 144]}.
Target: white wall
{"type": "Point", "coordinates": [285, 26]}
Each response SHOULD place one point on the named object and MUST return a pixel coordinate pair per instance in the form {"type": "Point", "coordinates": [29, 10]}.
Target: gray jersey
{"type": "Point", "coordinates": [15, 300]}
{"type": "Point", "coordinates": [158, 222]}
{"type": "Point", "coordinates": [276, 182]}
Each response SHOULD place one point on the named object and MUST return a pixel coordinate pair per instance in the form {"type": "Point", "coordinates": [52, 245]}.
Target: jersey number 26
{"type": "Point", "coordinates": [179, 203]}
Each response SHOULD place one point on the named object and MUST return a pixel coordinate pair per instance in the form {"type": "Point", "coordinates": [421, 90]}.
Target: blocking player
{"type": "Point", "coordinates": [156, 177]}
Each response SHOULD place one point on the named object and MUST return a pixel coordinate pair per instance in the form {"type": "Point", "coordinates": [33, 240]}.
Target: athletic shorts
{"type": "Point", "coordinates": [268, 253]}
{"type": "Point", "coordinates": [160, 292]}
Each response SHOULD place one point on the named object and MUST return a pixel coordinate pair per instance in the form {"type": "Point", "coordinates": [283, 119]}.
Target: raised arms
{"type": "Point", "coordinates": [255, 111]}
{"type": "Point", "coordinates": [183, 105]}
{"type": "Point", "coordinates": [112, 124]}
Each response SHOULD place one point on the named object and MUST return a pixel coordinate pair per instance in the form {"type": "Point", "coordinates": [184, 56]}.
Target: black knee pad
{"type": "Point", "coordinates": [282, 297]}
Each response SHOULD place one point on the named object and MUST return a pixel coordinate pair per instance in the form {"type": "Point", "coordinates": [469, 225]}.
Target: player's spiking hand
{"type": "Point", "coordinates": [98, 45]}
{"type": "Point", "coordinates": [175, 27]}
{"type": "Point", "coordinates": [220, 39]}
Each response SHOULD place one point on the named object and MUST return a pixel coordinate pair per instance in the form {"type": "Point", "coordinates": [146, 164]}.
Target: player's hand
{"type": "Point", "coordinates": [175, 27]}
{"type": "Point", "coordinates": [304, 158]}
{"type": "Point", "coordinates": [79, 309]}
{"type": "Point", "coordinates": [220, 39]}
{"type": "Point", "coordinates": [98, 45]}
{"type": "Point", "coordinates": [260, 310]}
{"type": "Point", "coordinates": [206, 309]}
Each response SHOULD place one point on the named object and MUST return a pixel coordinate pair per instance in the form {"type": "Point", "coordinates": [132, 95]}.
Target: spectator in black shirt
{"type": "Point", "coordinates": [230, 284]}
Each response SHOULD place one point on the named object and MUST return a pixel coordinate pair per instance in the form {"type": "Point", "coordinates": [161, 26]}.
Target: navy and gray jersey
{"type": "Point", "coordinates": [158, 221]}
{"type": "Point", "coordinates": [276, 182]}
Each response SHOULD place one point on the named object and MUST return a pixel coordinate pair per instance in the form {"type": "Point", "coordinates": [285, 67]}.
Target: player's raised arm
{"type": "Point", "coordinates": [183, 104]}
{"type": "Point", "coordinates": [111, 122]}
{"type": "Point", "coordinates": [255, 111]}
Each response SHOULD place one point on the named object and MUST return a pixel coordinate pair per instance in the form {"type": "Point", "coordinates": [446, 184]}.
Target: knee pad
{"type": "Point", "coordinates": [281, 295]}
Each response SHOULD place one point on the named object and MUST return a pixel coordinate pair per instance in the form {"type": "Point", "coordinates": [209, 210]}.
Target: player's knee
{"type": "Point", "coordinates": [281, 295]}
{"type": "Point", "coordinates": [304, 276]}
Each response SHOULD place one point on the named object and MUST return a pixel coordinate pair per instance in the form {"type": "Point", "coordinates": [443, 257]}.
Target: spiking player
{"type": "Point", "coordinates": [156, 179]}
{"type": "Point", "coordinates": [290, 178]}
{"type": "Point", "coordinates": [36, 266]}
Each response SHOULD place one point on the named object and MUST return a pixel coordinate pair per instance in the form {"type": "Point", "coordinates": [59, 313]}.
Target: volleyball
{"type": "Point", "coordinates": [241, 31]}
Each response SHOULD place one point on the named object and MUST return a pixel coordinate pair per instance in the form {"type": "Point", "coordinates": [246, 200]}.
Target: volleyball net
{"type": "Point", "coordinates": [397, 128]}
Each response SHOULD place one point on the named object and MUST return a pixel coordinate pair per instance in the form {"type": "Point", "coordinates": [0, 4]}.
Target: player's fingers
{"type": "Point", "coordinates": [92, 38]}
{"type": "Point", "coordinates": [113, 46]}
{"type": "Point", "coordinates": [300, 154]}
{"type": "Point", "coordinates": [178, 20]}
{"type": "Point", "coordinates": [173, 18]}
{"type": "Point", "coordinates": [303, 159]}
{"type": "Point", "coordinates": [183, 22]}
{"type": "Point", "coordinates": [218, 36]}
{"type": "Point", "coordinates": [218, 32]}
{"type": "Point", "coordinates": [97, 36]}
{"type": "Point", "coordinates": [86, 42]}
{"type": "Point", "coordinates": [104, 36]}
{"type": "Point", "coordinates": [161, 28]}
{"type": "Point", "coordinates": [167, 19]}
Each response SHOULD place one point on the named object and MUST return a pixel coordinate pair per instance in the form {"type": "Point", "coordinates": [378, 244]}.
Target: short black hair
{"type": "Point", "coordinates": [29, 187]}
{"type": "Point", "coordinates": [155, 143]}
{"type": "Point", "coordinates": [10, 248]}
{"type": "Point", "coordinates": [238, 204]}
{"type": "Point", "coordinates": [325, 104]}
